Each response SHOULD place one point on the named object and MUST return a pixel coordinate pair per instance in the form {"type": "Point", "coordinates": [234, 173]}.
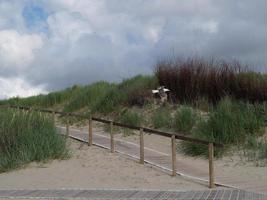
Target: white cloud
{"type": "Point", "coordinates": [90, 40]}
{"type": "Point", "coordinates": [17, 50]}
{"type": "Point", "coordinates": [67, 26]}
{"type": "Point", "coordinates": [12, 87]}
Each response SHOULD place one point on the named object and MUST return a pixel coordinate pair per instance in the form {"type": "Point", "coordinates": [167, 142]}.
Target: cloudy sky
{"type": "Point", "coordinates": [47, 45]}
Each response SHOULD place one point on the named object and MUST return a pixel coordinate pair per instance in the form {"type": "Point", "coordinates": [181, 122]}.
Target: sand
{"type": "Point", "coordinates": [93, 167]}
{"type": "Point", "coordinates": [233, 169]}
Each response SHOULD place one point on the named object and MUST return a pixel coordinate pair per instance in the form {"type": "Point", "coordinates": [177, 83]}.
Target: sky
{"type": "Point", "coordinates": [48, 45]}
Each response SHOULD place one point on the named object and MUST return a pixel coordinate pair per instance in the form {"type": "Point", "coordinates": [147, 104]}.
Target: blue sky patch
{"type": "Point", "coordinates": [35, 17]}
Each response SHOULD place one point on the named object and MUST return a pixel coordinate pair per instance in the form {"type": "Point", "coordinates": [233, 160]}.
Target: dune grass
{"type": "Point", "coordinates": [230, 123]}
{"type": "Point", "coordinates": [131, 118]}
{"type": "Point", "coordinates": [185, 119]}
{"type": "Point", "coordinates": [45, 101]}
{"type": "Point", "coordinates": [162, 118]}
{"type": "Point", "coordinates": [88, 96]}
{"type": "Point", "coordinates": [27, 137]}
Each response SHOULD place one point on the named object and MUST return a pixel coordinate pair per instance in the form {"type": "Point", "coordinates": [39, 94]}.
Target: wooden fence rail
{"type": "Point", "coordinates": [173, 137]}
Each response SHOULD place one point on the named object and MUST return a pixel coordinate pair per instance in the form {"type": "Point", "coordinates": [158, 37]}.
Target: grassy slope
{"type": "Point", "coordinates": [117, 101]}
{"type": "Point", "coordinates": [100, 97]}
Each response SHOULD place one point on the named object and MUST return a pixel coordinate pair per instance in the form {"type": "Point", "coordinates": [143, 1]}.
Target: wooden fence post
{"type": "Point", "coordinates": [173, 155]}
{"type": "Point", "coordinates": [111, 138]}
{"type": "Point", "coordinates": [67, 126]}
{"type": "Point", "coordinates": [211, 166]}
{"type": "Point", "coordinates": [90, 132]}
{"type": "Point", "coordinates": [142, 147]}
{"type": "Point", "coordinates": [54, 117]}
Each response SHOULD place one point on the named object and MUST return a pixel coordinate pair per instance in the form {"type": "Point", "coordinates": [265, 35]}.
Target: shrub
{"type": "Point", "coordinates": [138, 89]}
{"type": "Point", "coordinates": [162, 118]}
{"type": "Point", "coordinates": [139, 97]}
{"type": "Point", "coordinates": [185, 119]}
{"type": "Point", "coordinates": [27, 137]}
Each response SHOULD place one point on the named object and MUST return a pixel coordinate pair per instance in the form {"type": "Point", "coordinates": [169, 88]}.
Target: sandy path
{"type": "Point", "coordinates": [93, 167]}
{"type": "Point", "coordinates": [230, 170]}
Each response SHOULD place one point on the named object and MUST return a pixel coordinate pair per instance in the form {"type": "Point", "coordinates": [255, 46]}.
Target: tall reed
{"type": "Point", "coordinates": [194, 79]}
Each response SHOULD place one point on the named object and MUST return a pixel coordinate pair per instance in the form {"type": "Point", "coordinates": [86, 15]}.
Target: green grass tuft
{"type": "Point", "coordinates": [130, 118]}
{"type": "Point", "coordinates": [230, 123]}
{"type": "Point", "coordinates": [162, 118]}
{"type": "Point", "coordinates": [27, 137]}
{"type": "Point", "coordinates": [185, 119]}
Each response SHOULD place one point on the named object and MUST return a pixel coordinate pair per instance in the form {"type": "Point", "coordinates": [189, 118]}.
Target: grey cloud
{"type": "Point", "coordinates": [125, 38]}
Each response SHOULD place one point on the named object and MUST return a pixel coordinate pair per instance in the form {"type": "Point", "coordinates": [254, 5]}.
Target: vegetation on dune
{"type": "Point", "coordinates": [129, 92]}
{"type": "Point", "coordinates": [162, 118]}
{"type": "Point", "coordinates": [130, 118]}
{"type": "Point", "coordinates": [45, 101]}
{"type": "Point", "coordinates": [230, 123]}
{"type": "Point", "coordinates": [194, 79]}
{"type": "Point", "coordinates": [185, 119]}
{"type": "Point", "coordinates": [100, 97]}
{"type": "Point", "coordinates": [256, 150]}
{"type": "Point", "coordinates": [87, 96]}
{"type": "Point", "coordinates": [27, 137]}
{"type": "Point", "coordinates": [232, 100]}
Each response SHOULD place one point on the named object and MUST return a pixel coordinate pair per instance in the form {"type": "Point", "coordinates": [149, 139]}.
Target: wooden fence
{"type": "Point", "coordinates": [173, 136]}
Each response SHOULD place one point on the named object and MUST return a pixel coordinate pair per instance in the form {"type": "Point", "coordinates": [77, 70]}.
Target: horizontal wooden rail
{"type": "Point", "coordinates": [147, 130]}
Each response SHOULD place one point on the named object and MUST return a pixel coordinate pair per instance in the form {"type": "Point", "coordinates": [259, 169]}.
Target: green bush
{"type": "Point", "coordinates": [27, 137]}
{"type": "Point", "coordinates": [162, 118]}
{"type": "Point", "coordinates": [185, 119]}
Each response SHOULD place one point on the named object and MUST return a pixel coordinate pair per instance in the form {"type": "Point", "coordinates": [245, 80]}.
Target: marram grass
{"type": "Point", "coordinates": [27, 137]}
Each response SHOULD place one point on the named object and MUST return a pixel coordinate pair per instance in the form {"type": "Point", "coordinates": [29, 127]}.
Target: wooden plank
{"type": "Point", "coordinates": [231, 194]}
{"type": "Point", "coordinates": [173, 155]}
{"type": "Point", "coordinates": [211, 166]}
{"type": "Point", "coordinates": [142, 147]}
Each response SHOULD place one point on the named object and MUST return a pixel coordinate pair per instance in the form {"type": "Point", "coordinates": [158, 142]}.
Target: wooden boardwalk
{"type": "Point", "coordinates": [198, 172]}
{"type": "Point", "coordinates": [226, 194]}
